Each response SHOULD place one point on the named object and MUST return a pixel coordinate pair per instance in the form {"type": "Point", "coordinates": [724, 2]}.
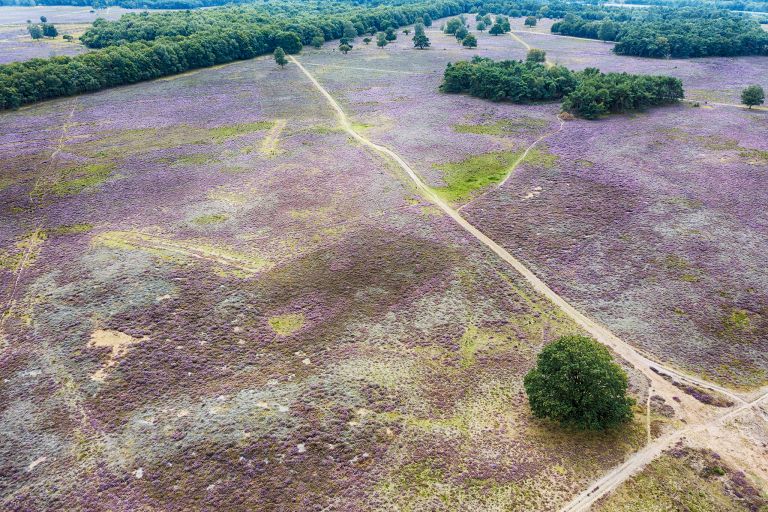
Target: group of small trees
{"type": "Point", "coordinates": [588, 94]}
{"type": "Point", "coordinates": [458, 28]}
{"type": "Point", "coordinates": [42, 29]}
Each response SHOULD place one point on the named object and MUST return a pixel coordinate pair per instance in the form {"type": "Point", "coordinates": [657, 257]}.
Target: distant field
{"type": "Point", "coordinates": [228, 303]}
{"type": "Point", "coordinates": [12, 15]}
{"type": "Point", "coordinates": [16, 44]}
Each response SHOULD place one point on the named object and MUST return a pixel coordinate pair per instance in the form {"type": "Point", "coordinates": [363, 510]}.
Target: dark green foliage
{"type": "Point", "coordinates": [577, 383]}
{"type": "Point", "coordinates": [421, 41]}
{"type": "Point", "coordinates": [469, 41]}
{"type": "Point", "coordinates": [49, 30]}
{"type": "Point", "coordinates": [367, 40]}
{"type": "Point", "coordinates": [536, 55]}
{"type": "Point", "coordinates": [508, 80]}
{"type": "Point", "coordinates": [480, 26]}
{"type": "Point", "coordinates": [453, 25]}
{"type": "Point", "coordinates": [427, 20]}
{"type": "Point", "coordinates": [496, 30]}
{"type": "Point", "coordinates": [677, 33]}
{"type": "Point", "coordinates": [35, 31]}
{"type": "Point", "coordinates": [530, 21]}
{"type": "Point", "coordinates": [318, 41]}
{"type": "Point", "coordinates": [753, 95]}
{"type": "Point", "coordinates": [587, 94]}
{"type": "Point", "coordinates": [461, 33]}
{"type": "Point", "coordinates": [381, 40]}
{"type": "Point", "coordinates": [43, 19]}
{"type": "Point", "coordinates": [390, 34]}
{"type": "Point", "coordinates": [146, 46]}
{"type": "Point", "coordinates": [345, 48]}
{"type": "Point", "coordinates": [280, 57]}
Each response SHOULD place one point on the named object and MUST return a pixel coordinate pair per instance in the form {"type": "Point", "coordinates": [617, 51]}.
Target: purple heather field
{"type": "Point", "coordinates": [228, 305]}
{"type": "Point", "coordinates": [634, 218]}
{"type": "Point", "coordinates": [217, 300]}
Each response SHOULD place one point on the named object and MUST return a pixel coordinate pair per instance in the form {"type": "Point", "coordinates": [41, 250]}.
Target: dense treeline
{"type": "Point", "coordinates": [40, 79]}
{"type": "Point", "coordinates": [678, 33]}
{"type": "Point", "coordinates": [588, 94]}
{"type": "Point", "coordinates": [323, 20]}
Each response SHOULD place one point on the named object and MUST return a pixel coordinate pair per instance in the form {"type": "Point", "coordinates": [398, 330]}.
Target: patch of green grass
{"type": "Point", "coordinates": [223, 133]}
{"type": "Point", "coordinates": [213, 218]}
{"type": "Point", "coordinates": [195, 159]}
{"type": "Point", "coordinates": [738, 320]}
{"type": "Point", "coordinates": [463, 179]}
{"type": "Point", "coordinates": [755, 156]}
{"type": "Point", "coordinates": [81, 178]}
{"type": "Point", "coordinates": [283, 325]}
{"type": "Point", "coordinates": [675, 262]}
{"type": "Point", "coordinates": [5, 183]}
{"type": "Point", "coordinates": [69, 229]}
{"type": "Point", "coordinates": [502, 127]}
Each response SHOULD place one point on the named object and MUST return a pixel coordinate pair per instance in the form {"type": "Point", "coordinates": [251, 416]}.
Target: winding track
{"type": "Point", "coordinates": [621, 473]}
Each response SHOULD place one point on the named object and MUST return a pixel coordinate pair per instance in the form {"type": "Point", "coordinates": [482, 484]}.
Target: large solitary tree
{"type": "Point", "coordinates": [421, 41]}
{"type": "Point", "coordinates": [753, 95]}
{"type": "Point", "coordinates": [576, 383]}
{"type": "Point", "coordinates": [470, 41]}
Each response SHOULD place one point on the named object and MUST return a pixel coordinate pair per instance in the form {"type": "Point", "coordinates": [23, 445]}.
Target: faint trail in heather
{"type": "Point", "coordinates": [269, 145]}
{"type": "Point", "coordinates": [598, 331]}
{"type": "Point", "coordinates": [34, 239]}
{"type": "Point", "coordinates": [698, 414]}
{"type": "Point", "coordinates": [516, 163]}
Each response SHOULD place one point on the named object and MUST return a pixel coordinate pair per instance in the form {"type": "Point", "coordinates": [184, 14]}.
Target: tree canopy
{"type": "Point", "coordinates": [676, 33]}
{"type": "Point", "coordinates": [576, 383]}
{"type": "Point", "coordinates": [588, 94]}
{"type": "Point", "coordinates": [753, 95]}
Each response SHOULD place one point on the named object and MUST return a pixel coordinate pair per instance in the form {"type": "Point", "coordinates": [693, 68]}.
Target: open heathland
{"type": "Point", "coordinates": [218, 294]}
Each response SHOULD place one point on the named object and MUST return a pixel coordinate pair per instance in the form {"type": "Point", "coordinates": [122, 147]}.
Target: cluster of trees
{"type": "Point", "coordinates": [677, 33]}
{"type": "Point", "coordinates": [130, 62]}
{"type": "Point", "coordinates": [324, 20]}
{"type": "Point", "coordinates": [39, 31]}
{"type": "Point", "coordinates": [588, 94]}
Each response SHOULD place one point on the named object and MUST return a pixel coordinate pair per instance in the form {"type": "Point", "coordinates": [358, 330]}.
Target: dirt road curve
{"type": "Point", "coordinates": [699, 417]}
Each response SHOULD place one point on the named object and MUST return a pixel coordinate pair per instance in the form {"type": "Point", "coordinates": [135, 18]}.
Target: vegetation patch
{"type": "Point", "coordinates": [284, 325]}
{"type": "Point", "coordinates": [223, 133]}
{"type": "Point", "coordinates": [69, 229]}
{"type": "Point", "coordinates": [502, 127]}
{"type": "Point", "coordinates": [213, 218]}
{"type": "Point", "coordinates": [77, 179]}
{"type": "Point", "coordinates": [465, 178]}
{"type": "Point", "coordinates": [686, 479]}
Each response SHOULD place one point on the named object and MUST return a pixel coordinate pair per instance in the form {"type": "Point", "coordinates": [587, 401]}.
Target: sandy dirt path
{"type": "Point", "coordinates": [698, 416]}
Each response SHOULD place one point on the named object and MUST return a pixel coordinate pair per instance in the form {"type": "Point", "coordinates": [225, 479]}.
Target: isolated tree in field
{"type": "Point", "coordinates": [49, 30]}
{"type": "Point", "coordinates": [607, 31]}
{"type": "Point", "coordinates": [367, 40]}
{"type": "Point", "coordinates": [35, 31]}
{"type": "Point", "coordinates": [536, 55]}
{"type": "Point", "coordinates": [753, 95]}
{"type": "Point", "coordinates": [43, 19]}
{"type": "Point", "coordinates": [391, 35]}
{"type": "Point", "coordinates": [530, 21]}
{"type": "Point", "coordinates": [381, 40]}
{"type": "Point", "coordinates": [577, 383]}
{"type": "Point", "coordinates": [427, 19]}
{"type": "Point", "coordinates": [421, 41]}
{"type": "Point", "coordinates": [345, 48]}
{"type": "Point", "coordinates": [461, 33]}
{"type": "Point", "coordinates": [470, 41]}
{"type": "Point", "coordinates": [496, 30]}
{"type": "Point", "coordinates": [480, 26]}
{"type": "Point", "coordinates": [407, 31]}
{"type": "Point", "coordinates": [317, 41]}
{"type": "Point", "coordinates": [280, 57]}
